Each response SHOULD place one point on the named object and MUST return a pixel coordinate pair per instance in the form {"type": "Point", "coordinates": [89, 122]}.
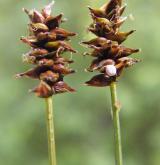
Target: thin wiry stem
{"type": "Point", "coordinates": [116, 124]}
{"type": "Point", "coordinates": [50, 128]}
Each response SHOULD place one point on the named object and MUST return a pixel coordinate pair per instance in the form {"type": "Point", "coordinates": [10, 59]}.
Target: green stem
{"type": "Point", "coordinates": [116, 123]}
{"type": "Point", "coordinates": [50, 129]}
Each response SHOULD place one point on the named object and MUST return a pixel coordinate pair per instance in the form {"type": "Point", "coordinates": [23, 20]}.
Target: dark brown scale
{"type": "Point", "coordinates": [54, 22]}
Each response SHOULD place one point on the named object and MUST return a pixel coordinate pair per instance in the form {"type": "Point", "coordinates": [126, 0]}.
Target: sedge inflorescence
{"type": "Point", "coordinates": [110, 56]}
{"type": "Point", "coordinates": [48, 42]}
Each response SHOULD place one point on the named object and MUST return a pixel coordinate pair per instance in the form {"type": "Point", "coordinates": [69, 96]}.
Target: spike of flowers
{"type": "Point", "coordinates": [110, 57]}
{"type": "Point", "coordinates": [48, 42]}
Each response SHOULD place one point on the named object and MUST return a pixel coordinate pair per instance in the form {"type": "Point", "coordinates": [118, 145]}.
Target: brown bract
{"type": "Point", "coordinates": [48, 41]}
{"type": "Point", "coordinates": [110, 57]}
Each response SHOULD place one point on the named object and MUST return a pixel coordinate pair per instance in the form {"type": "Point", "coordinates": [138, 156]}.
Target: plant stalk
{"type": "Point", "coordinates": [50, 130]}
{"type": "Point", "coordinates": [116, 124]}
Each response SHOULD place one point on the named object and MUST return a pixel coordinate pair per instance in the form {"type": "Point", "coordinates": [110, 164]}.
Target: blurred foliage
{"type": "Point", "coordinates": [84, 133]}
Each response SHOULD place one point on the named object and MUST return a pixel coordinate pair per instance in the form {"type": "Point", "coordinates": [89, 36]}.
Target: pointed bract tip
{"type": "Point", "coordinates": [131, 32]}
{"type": "Point", "coordinates": [49, 6]}
{"type": "Point", "coordinates": [22, 38]}
{"type": "Point", "coordinates": [140, 50]}
{"type": "Point", "coordinates": [86, 54]}
{"type": "Point", "coordinates": [125, 18]}
{"type": "Point", "coordinates": [25, 10]}
{"type": "Point", "coordinates": [91, 9]}
{"type": "Point", "coordinates": [134, 30]}
{"type": "Point", "coordinates": [17, 76]}
{"type": "Point", "coordinates": [51, 3]}
{"type": "Point", "coordinates": [48, 9]}
{"type": "Point", "coordinates": [75, 34]}
{"type": "Point", "coordinates": [137, 50]}
{"type": "Point", "coordinates": [86, 84]}
{"type": "Point", "coordinates": [82, 43]}
{"type": "Point", "coordinates": [61, 14]}
{"type": "Point", "coordinates": [76, 51]}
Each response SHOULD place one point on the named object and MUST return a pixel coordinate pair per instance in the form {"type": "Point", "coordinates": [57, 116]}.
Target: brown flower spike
{"type": "Point", "coordinates": [110, 57]}
{"type": "Point", "coordinates": [48, 42]}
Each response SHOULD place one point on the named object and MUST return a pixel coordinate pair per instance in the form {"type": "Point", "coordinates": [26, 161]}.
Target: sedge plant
{"type": "Point", "coordinates": [48, 41]}
{"type": "Point", "coordinates": [110, 57]}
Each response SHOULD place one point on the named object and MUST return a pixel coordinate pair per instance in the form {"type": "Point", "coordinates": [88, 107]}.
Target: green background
{"type": "Point", "coordinates": [84, 133]}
